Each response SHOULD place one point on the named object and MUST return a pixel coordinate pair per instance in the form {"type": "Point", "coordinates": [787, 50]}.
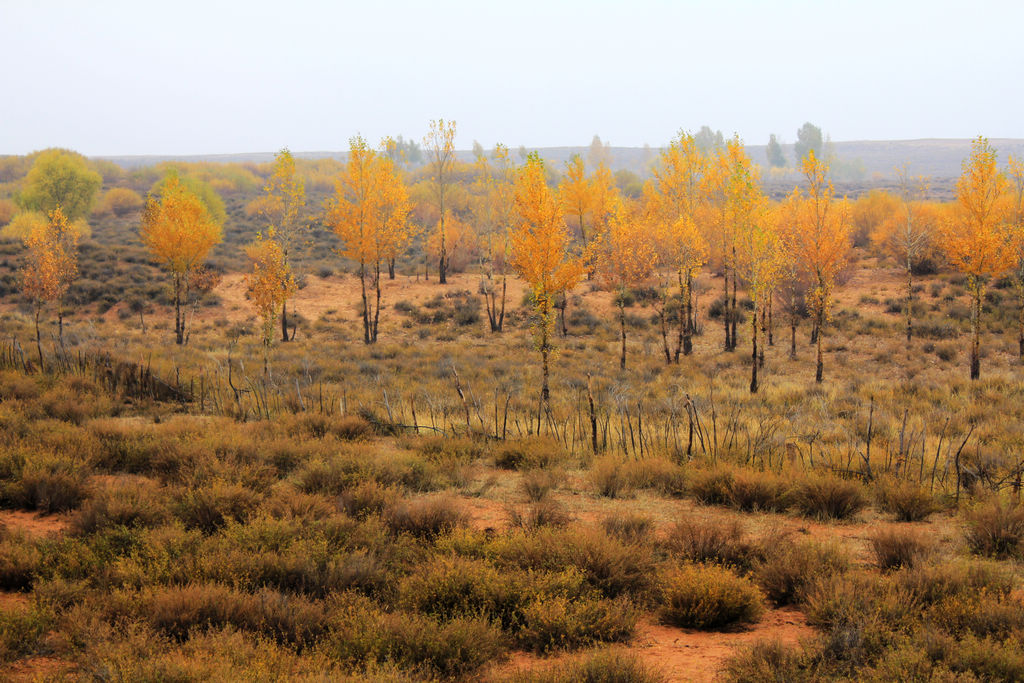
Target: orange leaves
{"type": "Point", "coordinates": [976, 237]}
{"type": "Point", "coordinates": [540, 241]}
{"type": "Point", "coordinates": [625, 253]}
{"type": "Point", "coordinates": [675, 204]}
{"type": "Point", "coordinates": [270, 283]}
{"type": "Point", "coordinates": [283, 201]}
{"type": "Point", "coordinates": [177, 228]}
{"type": "Point", "coordinates": [52, 260]}
{"type": "Point", "coordinates": [370, 206]}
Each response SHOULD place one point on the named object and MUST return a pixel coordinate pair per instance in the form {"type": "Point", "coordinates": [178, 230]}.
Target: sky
{"type": "Point", "coordinates": [214, 77]}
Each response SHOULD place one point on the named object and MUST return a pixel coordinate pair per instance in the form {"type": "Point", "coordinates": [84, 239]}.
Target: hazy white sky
{"type": "Point", "coordinates": [142, 77]}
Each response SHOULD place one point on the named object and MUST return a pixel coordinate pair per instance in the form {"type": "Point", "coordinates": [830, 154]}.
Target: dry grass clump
{"type": "Point", "coordinates": [210, 507]}
{"type": "Point", "coordinates": [907, 501]}
{"type": "Point", "coordinates": [659, 474]}
{"type": "Point", "coordinates": [604, 666]}
{"type": "Point", "coordinates": [129, 502]}
{"type": "Point", "coordinates": [611, 477]}
{"type": "Point", "coordinates": [753, 491]}
{"type": "Point", "coordinates": [48, 485]}
{"type": "Point", "coordinates": [425, 518]}
{"type": "Point", "coordinates": [20, 561]}
{"type": "Point", "coordinates": [629, 527]}
{"type": "Point", "coordinates": [712, 487]}
{"type": "Point", "coordinates": [21, 632]}
{"type": "Point", "coordinates": [537, 484]}
{"type": "Point", "coordinates": [710, 540]}
{"type": "Point", "coordinates": [769, 660]}
{"type": "Point", "coordinates": [527, 454]}
{"type": "Point", "coordinates": [896, 547]}
{"type": "Point", "coordinates": [709, 598]}
{"type": "Point", "coordinates": [561, 623]}
{"type": "Point", "coordinates": [546, 512]}
{"type": "Point", "coordinates": [367, 498]}
{"type": "Point", "coordinates": [828, 497]}
{"type": "Point", "coordinates": [788, 568]}
{"type": "Point", "coordinates": [996, 530]}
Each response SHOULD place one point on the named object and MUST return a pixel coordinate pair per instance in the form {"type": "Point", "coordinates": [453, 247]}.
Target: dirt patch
{"type": "Point", "coordinates": [33, 523]}
{"type": "Point", "coordinates": [13, 602]}
{"type": "Point", "coordinates": [686, 655]}
{"type": "Point", "coordinates": [37, 669]}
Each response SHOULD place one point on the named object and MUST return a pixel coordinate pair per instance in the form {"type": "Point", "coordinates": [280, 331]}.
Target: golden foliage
{"type": "Point", "coordinates": [177, 229]}
{"type": "Point", "coordinates": [270, 283]}
{"type": "Point", "coordinates": [119, 201]}
{"type": "Point", "coordinates": [51, 260]}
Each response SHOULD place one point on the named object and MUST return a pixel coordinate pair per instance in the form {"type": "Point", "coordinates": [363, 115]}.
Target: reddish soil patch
{"type": "Point", "coordinates": [37, 669]}
{"type": "Point", "coordinates": [13, 602]}
{"type": "Point", "coordinates": [686, 655]}
{"type": "Point", "coordinates": [33, 523]}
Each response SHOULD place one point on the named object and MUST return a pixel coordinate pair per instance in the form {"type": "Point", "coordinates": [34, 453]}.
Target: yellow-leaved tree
{"type": "Point", "coordinates": [51, 265]}
{"type": "Point", "coordinates": [439, 144]}
{"type": "Point", "coordinates": [270, 284]}
{"type": "Point", "coordinates": [179, 232]}
{"type": "Point", "coordinates": [816, 233]}
{"type": "Point", "coordinates": [284, 199]}
{"type": "Point", "coordinates": [907, 234]}
{"type": "Point", "coordinates": [1016, 174]}
{"type": "Point", "coordinates": [542, 254]}
{"type": "Point", "coordinates": [574, 193]}
{"type": "Point", "coordinates": [674, 204]}
{"type": "Point", "coordinates": [976, 235]}
{"type": "Point", "coordinates": [368, 212]}
{"type": "Point", "coordinates": [624, 257]}
{"type": "Point", "coordinates": [759, 262]}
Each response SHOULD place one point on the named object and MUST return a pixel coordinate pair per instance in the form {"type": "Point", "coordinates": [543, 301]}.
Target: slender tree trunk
{"type": "Point", "coordinates": [764, 332]}
{"type": "Point", "coordinates": [284, 321]}
{"type": "Point", "coordinates": [792, 338]}
{"type": "Point", "coordinates": [376, 309]}
{"type": "Point", "coordinates": [60, 324]}
{"type": "Point", "coordinates": [391, 268]}
{"type": "Point", "coordinates": [545, 393]}
{"type": "Point", "coordinates": [561, 314]}
{"type": "Point", "coordinates": [662, 316]}
{"type": "Point", "coordinates": [39, 341]}
{"type": "Point", "coordinates": [179, 323]}
{"type": "Point", "coordinates": [1020, 318]}
{"type": "Point", "coordinates": [366, 303]}
{"type": "Point", "coordinates": [725, 312]}
{"type": "Point", "coordinates": [819, 371]}
{"type": "Point", "coordinates": [753, 353]}
{"type": "Point", "coordinates": [691, 326]}
{"type": "Point", "coordinates": [622, 328]}
{"type": "Point", "coordinates": [734, 314]}
{"type": "Point", "coordinates": [501, 315]}
{"type": "Point", "coordinates": [910, 301]}
{"type": "Point", "coordinates": [976, 332]}
{"type": "Point", "coordinates": [771, 322]}
{"type": "Point", "coordinates": [681, 337]}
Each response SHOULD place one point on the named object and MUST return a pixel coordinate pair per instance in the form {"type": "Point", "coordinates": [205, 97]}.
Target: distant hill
{"type": "Point", "coordinates": [869, 162]}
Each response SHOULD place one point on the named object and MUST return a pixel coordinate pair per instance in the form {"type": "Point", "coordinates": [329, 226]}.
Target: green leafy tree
{"type": "Point", "coordinates": [776, 159]}
{"type": "Point", "coordinates": [61, 178]}
{"type": "Point", "coordinates": [808, 139]}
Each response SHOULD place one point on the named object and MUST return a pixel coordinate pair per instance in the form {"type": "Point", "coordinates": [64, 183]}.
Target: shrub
{"type": "Point", "coordinates": [448, 588]}
{"type": "Point", "coordinates": [536, 484]}
{"type": "Point", "coordinates": [526, 454]}
{"type": "Point", "coordinates": [605, 666]}
{"type": "Point", "coordinates": [20, 561]}
{"type": "Point", "coordinates": [119, 201]}
{"type": "Point", "coordinates": [828, 497]}
{"type": "Point", "coordinates": [659, 474]}
{"type": "Point", "coordinates": [542, 513]}
{"type": "Point", "coordinates": [909, 502]}
{"type": "Point", "coordinates": [560, 623]}
{"type": "Point", "coordinates": [758, 491]}
{"type": "Point", "coordinates": [931, 583]}
{"type": "Point", "coordinates": [788, 568]}
{"type": "Point", "coordinates": [996, 530]}
{"type": "Point", "coordinates": [367, 498]}
{"type": "Point", "coordinates": [343, 427]}
{"type": "Point", "coordinates": [629, 527]}
{"type": "Point", "coordinates": [611, 477]}
{"type": "Point", "coordinates": [128, 503]}
{"type": "Point", "coordinates": [712, 487]}
{"type": "Point", "coordinates": [895, 547]}
{"type": "Point", "coordinates": [21, 632]}
{"type": "Point", "coordinates": [708, 540]}
{"type": "Point", "coordinates": [210, 507]}
{"type": "Point", "coordinates": [47, 488]}
{"type": "Point", "coordinates": [768, 660]}
{"type": "Point", "coordinates": [708, 598]}
{"type": "Point", "coordinates": [425, 518]}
